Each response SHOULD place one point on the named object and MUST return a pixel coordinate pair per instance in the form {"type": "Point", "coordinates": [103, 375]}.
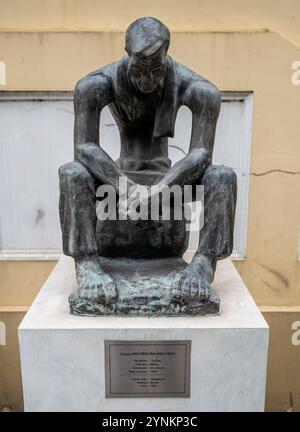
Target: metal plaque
{"type": "Point", "coordinates": [147, 368]}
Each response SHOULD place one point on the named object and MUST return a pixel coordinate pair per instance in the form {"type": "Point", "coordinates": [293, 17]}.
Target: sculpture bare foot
{"type": "Point", "coordinates": [194, 281]}
{"type": "Point", "coordinates": [93, 283]}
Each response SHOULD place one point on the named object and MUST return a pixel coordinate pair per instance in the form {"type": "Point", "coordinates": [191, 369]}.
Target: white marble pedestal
{"type": "Point", "coordinates": [63, 362]}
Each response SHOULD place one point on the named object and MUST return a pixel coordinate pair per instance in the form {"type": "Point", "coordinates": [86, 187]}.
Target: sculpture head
{"type": "Point", "coordinates": [147, 43]}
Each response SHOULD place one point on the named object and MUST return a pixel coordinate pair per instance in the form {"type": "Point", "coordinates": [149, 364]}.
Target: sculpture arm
{"type": "Point", "coordinates": [203, 99]}
{"type": "Point", "coordinates": [92, 93]}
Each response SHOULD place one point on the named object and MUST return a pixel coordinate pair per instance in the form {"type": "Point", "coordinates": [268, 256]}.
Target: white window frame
{"type": "Point", "coordinates": [240, 252]}
{"type": "Point", "coordinates": [241, 247]}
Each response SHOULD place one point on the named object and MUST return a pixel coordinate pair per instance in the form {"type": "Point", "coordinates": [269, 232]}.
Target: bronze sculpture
{"type": "Point", "coordinates": [144, 90]}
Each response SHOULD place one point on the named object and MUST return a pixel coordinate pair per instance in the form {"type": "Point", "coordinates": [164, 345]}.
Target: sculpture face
{"type": "Point", "coordinates": [147, 73]}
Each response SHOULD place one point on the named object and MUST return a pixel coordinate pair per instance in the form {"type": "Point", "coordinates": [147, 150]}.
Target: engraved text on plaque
{"type": "Point", "coordinates": [147, 368]}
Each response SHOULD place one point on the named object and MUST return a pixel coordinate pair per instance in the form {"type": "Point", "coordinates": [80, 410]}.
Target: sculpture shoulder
{"type": "Point", "coordinates": [96, 86]}
{"type": "Point", "coordinates": [193, 87]}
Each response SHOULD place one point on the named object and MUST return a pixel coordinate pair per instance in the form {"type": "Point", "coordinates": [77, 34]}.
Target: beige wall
{"type": "Point", "coordinates": [10, 371]}
{"type": "Point", "coordinates": [228, 43]}
{"type": "Point", "coordinates": [188, 15]}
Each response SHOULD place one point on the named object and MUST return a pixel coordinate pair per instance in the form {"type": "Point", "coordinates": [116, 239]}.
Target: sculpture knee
{"type": "Point", "coordinates": [220, 175]}
{"type": "Point", "coordinates": [74, 173]}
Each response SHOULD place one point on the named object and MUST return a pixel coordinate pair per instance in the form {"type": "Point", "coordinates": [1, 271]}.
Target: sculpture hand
{"type": "Point", "coordinates": [138, 197]}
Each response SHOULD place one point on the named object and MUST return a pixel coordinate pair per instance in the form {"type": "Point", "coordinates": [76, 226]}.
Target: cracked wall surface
{"type": "Point", "coordinates": [275, 171]}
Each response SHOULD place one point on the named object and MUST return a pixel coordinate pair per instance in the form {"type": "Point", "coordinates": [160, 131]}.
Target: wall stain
{"type": "Point", "coordinates": [39, 216]}
{"type": "Point", "coordinates": [283, 280]}
{"type": "Point", "coordinates": [273, 288]}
